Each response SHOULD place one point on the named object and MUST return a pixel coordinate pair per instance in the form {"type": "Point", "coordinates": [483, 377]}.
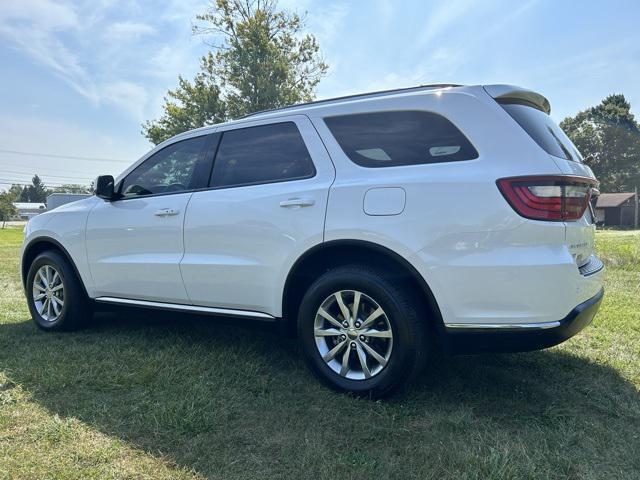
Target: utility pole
{"type": "Point", "coordinates": [635, 204]}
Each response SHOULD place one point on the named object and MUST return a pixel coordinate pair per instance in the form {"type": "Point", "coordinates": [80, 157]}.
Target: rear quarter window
{"type": "Point", "coordinates": [543, 130]}
{"type": "Point", "coordinates": [394, 138]}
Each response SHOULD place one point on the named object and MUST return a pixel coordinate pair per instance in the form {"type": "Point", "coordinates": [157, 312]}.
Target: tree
{"type": "Point", "coordinates": [7, 210]}
{"type": "Point", "coordinates": [261, 60]}
{"type": "Point", "coordinates": [608, 137]}
{"type": "Point", "coordinates": [37, 191]}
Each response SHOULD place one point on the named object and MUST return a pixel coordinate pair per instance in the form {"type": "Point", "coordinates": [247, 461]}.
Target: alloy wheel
{"type": "Point", "coordinates": [353, 335]}
{"type": "Point", "coordinates": [48, 293]}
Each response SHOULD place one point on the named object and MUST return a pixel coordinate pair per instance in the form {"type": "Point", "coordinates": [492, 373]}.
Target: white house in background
{"type": "Point", "coordinates": [56, 199]}
{"type": "Point", "coordinates": [26, 210]}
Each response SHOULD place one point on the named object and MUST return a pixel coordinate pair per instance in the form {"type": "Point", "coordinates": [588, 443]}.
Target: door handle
{"type": "Point", "coordinates": [298, 202]}
{"type": "Point", "coordinates": [166, 212]}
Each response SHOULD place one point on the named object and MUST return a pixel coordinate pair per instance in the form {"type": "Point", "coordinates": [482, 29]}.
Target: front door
{"type": "Point", "coordinates": [135, 244]}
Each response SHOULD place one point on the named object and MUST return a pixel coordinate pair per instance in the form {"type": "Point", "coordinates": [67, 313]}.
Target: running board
{"type": "Point", "coordinates": [186, 308]}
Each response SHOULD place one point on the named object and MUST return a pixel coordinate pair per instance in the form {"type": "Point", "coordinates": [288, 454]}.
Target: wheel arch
{"type": "Point", "coordinates": [327, 255]}
{"type": "Point", "coordinates": [41, 244]}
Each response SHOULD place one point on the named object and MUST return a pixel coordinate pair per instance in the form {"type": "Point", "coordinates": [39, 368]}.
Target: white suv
{"type": "Point", "coordinates": [379, 226]}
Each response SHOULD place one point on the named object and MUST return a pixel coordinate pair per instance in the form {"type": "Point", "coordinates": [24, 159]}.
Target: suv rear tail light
{"type": "Point", "coordinates": [553, 198]}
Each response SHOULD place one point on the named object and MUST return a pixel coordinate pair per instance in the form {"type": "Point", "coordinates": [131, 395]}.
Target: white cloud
{"type": "Point", "coordinates": [127, 31]}
{"type": "Point", "coordinates": [45, 14]}
{"type": "Point", "coordinates": [128, 96]}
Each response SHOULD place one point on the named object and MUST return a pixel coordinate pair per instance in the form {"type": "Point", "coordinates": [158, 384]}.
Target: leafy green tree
{"type": "Point", "coordinates": [7, 210]}
{"type": "Point", "coordinates": [608, 137]}
{"type": "Point", "coordinates": [260, 60]}
{"type": "Point", "coordinates": [16, 192]}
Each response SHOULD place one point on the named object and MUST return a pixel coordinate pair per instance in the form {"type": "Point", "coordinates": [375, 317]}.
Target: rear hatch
{"type": "Point", "coordinates": [531, 111]}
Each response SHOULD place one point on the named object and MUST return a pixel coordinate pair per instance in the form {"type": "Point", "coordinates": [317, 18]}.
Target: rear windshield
{"type": "Point", "coordinates": [543, 130]}
{"type": "Point", "coordinates": [405, 137]}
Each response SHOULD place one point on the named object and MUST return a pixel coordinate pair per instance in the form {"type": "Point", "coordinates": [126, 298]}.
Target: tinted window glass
{"type": "Point", "coordinates": [171, 170]}
{"type": "Point", "coordinates": [264, 154]}
{"type": "Point", "coordinates": [389, 139]}
{"type": "Point", "coordinates": [543, 130]}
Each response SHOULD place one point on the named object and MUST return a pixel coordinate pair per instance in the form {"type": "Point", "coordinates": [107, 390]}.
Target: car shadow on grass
{"type": "Point", "coordinates": [233, 399]}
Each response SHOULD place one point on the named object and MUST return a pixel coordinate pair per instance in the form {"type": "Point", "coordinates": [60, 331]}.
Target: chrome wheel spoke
{"type": "Point", "coordinates": [356, 305]}
{"type": "Point", "coordinates": [324, 314]}
{"type": "Point", "coordinates": [343, 308]}
{"type": "Point", "coordinates": [331, 354]}
{"type": "Point", "coordinates": [329, 332]}
{"type": "Point", "coordinates": [43, 279]}
{"type": "Point", "coordinates": [363, 361]}
{"type": "Point", "coordinates": [57, 288]}
{"type": "Point", "coordinates": [377, 357]}
{"type": "Point", "coordinates": [38, 287]}
{"type": "Point", "coordinates": [42, 306]}
{"type": "Point", "coordinates": [40, 296]}
{"type": "Point", "coordinates": [377, 333]}
{"type": "Point", "coordinates": [344, 368]}
{"type": "Point", "coordinates": [56, 306]}
{"type": "Point", "coordinates": [373, 317]}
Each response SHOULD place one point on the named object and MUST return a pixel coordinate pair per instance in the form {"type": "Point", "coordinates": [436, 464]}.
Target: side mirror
{"type": "Point", "coordinates": [104, 187]}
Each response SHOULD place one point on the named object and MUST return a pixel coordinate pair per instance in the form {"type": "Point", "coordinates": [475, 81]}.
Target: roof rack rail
{"type": "Point", "coordinates": [355, 96]}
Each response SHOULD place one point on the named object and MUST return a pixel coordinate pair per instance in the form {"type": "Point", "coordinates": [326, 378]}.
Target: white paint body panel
{"type": "Point", "coordinates": [233, 248]}
{"type": "Point", "coordinates": [135, 254]}
{"type": "Point", "coordinates": [240, 243]}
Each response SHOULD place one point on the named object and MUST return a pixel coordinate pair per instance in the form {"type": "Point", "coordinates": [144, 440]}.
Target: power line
{"type": "Point", "coordinates": [24, 183]}
{"type": "Point", "coordinates": [48, 175]}
{"type": "Point", "coordinates": [68, 157]}
{"type": "Point", "coordinates": [57, 170]}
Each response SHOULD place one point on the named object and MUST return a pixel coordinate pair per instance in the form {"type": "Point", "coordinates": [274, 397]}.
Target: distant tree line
{"type": "Point", "coordinates": [36, 192]}
{"type": "Point", "coordinates": [608, 136]}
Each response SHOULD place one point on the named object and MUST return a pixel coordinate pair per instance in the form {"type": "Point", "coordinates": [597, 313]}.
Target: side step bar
{"type": "Point", "coordinates": [186, 308]}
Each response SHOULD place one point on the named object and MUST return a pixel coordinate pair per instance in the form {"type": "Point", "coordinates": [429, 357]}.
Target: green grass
{"type": "Point", "coordinates": [158, 396]}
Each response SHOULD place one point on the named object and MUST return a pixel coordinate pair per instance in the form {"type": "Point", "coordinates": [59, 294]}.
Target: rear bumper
{"type": "Point", "coordinates": [521, 338]}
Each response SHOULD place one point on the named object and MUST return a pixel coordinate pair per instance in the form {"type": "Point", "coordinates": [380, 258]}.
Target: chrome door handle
{"type": "Point", "coordinates": [166, 212]}
{"type": "Point", "coordinates": [298, 202]}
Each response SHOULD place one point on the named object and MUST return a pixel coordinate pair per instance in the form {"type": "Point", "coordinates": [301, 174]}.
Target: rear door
{"type": "Point", "coordinates": [265, 206]}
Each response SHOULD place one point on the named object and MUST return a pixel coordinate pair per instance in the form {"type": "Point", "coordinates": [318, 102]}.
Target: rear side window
{"type": "Point", "coordinates": [390, 139]}
{"type": "Point", "coordinates": [263, 154]}
{"type": "Point", "coordinates": [543, 130]}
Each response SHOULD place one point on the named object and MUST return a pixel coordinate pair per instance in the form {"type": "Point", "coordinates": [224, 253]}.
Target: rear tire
{"type": "Point", "coordinates": [55, 295]}
{"type": "Point", "coordinates": [384, 344]}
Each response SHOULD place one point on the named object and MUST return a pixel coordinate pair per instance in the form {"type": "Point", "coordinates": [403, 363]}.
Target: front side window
{"type": "Point", "coordinates": [173, 169]}
{"type": "Point", "coordinates": [262, 154]}
{"type": "Point", "coordinates": [394, 138]}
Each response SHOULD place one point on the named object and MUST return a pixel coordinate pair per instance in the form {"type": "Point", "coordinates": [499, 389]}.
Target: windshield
{"type": "Point", "coordinates": [541, 128]}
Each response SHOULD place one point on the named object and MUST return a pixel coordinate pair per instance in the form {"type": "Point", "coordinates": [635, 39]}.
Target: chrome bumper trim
{"type": "Point", "coordinates": [503, 326]}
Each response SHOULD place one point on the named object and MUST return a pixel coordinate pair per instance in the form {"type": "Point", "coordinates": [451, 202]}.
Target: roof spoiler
{"type": "Point", "coordinates": [513, 94]}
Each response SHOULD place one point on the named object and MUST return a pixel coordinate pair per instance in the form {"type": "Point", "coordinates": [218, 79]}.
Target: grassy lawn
{"type": "Point", "coordinates": [156, 396]}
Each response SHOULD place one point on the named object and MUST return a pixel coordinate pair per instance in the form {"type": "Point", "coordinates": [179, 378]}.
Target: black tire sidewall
{"type": "Point", "coordinates": [398, 306]}
{"type": "Point", "coordinates": [73, 295]}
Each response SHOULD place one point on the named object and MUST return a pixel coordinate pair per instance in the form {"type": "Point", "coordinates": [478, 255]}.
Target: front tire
{"type": "Point", "coordinates": [55, 295]}
{"type": "Point", "coordinates": [361, 332]}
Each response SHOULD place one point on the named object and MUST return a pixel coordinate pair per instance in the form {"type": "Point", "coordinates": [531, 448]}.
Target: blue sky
{"type": "Point", "coordinates": [79, 77]}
